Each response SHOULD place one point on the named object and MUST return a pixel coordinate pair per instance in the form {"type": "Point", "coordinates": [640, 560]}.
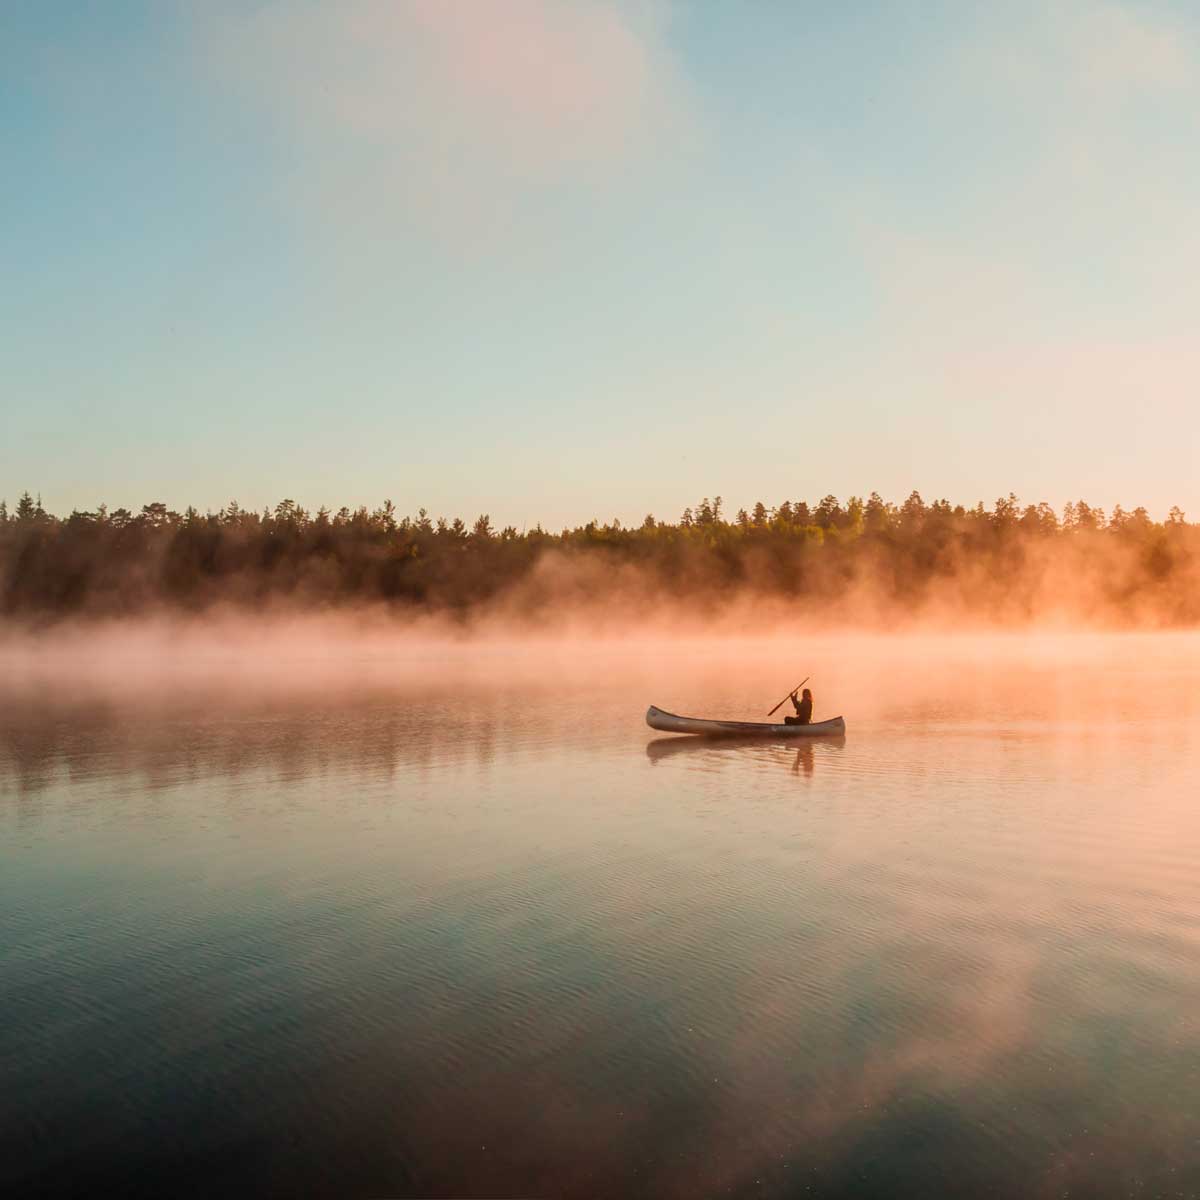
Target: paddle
{"type": "Point", "coordinates": [791, 693]}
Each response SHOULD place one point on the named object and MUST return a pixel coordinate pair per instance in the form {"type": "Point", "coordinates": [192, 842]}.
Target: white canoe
{"type": "Point", "coordinates": [670, 723]}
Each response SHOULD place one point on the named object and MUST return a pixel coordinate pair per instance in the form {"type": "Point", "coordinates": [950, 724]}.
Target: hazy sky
{"type": "Point", "coordinates": [564, 260]}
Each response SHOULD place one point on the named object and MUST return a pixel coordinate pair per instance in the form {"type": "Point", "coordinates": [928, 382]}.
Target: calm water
{"type": "Point", "coordinates": [466, 927]}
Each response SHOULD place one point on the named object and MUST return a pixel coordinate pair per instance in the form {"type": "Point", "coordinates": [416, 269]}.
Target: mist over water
{"type": "Point", "coordinates": [870, 565]}
{"type": "Point", "coordinates": [351, 908]}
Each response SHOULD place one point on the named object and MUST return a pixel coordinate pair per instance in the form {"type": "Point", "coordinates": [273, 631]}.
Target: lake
{"type": "Point", "coordinates": [447, 919]}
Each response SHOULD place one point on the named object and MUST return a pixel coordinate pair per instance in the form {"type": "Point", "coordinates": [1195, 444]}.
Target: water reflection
{"type": "Point", "coordinates": [806, 758]}
{"type": "Point", "coordinates": [388, 944]}
{"type": "Point", "coordinates": [711, 750]}
{"type": "Point", "coordinates": [46, 742]}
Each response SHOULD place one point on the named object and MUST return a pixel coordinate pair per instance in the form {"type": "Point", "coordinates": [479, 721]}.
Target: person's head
{"type": "Point", "coordinates": [807, 693]}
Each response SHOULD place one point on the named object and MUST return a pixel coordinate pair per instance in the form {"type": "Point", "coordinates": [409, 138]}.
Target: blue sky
{"type": "Point", "coordinates": [559, 261]}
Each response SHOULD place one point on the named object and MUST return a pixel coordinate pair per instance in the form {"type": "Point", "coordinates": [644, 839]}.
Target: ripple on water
{"type": "Point", "coordinates": [397, 949]}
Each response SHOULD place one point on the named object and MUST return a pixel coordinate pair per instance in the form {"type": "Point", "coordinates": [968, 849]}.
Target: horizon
{"type": "Point", "coordinates": [726, 512]}
{"type": "Point", "coordinates": [874, 562]}
{"type": "Point", "coordinates": [534, 259]}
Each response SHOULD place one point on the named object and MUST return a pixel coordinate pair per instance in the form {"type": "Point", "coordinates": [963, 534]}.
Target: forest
{"type": "Point", "coordinates": [862, 560]}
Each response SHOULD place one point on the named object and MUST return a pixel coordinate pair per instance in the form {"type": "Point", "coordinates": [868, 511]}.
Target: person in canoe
{"type": "Point", "coordinates": [803, 708]}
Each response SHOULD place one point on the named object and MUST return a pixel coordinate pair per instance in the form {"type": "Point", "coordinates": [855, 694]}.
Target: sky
{"type": "Point", "coordinates": [560, 261]}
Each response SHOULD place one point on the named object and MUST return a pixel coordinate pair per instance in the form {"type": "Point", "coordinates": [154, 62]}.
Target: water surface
{"type": "Point", "coordinates": [468, 927]}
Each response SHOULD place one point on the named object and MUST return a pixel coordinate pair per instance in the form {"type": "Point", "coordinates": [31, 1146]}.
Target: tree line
{"type": "Point", "coordinates": [1004, 561]}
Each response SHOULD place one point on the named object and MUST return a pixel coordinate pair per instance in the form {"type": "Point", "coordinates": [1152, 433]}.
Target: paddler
{"type": "Point", "coordinates": [803, 708]}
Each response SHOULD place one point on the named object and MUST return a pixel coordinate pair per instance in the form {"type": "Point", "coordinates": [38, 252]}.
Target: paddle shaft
{"type": "Point", "coordinates": [791, 693]}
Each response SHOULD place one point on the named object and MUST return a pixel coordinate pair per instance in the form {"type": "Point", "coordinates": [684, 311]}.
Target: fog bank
{"type": "Point", "coordinates": [866, 565]}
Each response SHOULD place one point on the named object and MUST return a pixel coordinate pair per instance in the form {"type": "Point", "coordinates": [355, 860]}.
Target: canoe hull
{"type": "Point", "coordinates": [669, 723]}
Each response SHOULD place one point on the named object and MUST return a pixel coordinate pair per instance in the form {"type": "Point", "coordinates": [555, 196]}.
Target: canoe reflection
{"type": "Point", "coordinates": [804, 760]}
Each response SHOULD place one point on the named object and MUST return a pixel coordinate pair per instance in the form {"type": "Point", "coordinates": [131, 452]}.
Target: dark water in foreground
{"type": "Point", "coordinates": [480, 937]}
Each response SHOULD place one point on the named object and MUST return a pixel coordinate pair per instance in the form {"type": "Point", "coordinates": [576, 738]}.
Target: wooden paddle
{"type": "Point", "coordinates": [791, 693]}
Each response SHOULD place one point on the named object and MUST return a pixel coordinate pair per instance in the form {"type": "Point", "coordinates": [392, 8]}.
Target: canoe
{"type": "Point", "coordinates": [670, 723]}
